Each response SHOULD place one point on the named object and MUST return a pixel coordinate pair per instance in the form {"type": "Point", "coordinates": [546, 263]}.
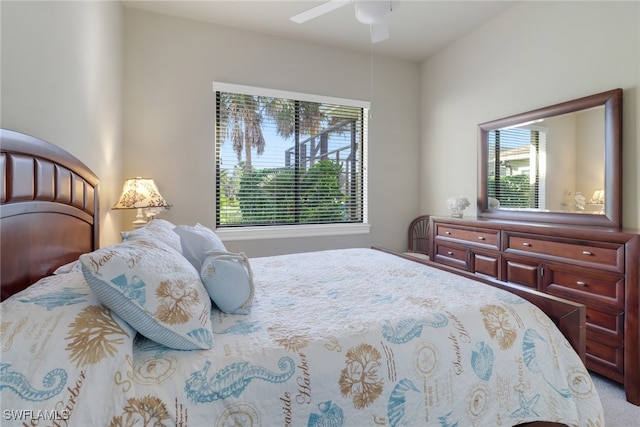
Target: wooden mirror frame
{"type": "Point", "coordinates": [612, 101]}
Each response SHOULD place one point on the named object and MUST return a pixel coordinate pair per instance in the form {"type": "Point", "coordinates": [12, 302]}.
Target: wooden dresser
{"type": "Point", "coordinates": [594, 266]}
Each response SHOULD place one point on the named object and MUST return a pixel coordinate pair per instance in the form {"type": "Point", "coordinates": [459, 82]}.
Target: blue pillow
{"type": "Point", "coordinates": [228, 279]}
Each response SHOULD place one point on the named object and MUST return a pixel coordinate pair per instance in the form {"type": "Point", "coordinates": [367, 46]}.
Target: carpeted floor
{"type": "Point", "coordinates": [617, 411]}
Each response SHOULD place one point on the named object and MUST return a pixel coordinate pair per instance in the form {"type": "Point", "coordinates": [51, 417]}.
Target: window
{"type": "Point", "coordinates": [285, 159]}
{"type": "Point", "coordinates": [517, 161]}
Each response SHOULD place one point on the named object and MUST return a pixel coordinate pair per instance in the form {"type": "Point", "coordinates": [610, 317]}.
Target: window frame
{"type": "Point", "coordinates": [258, 232]}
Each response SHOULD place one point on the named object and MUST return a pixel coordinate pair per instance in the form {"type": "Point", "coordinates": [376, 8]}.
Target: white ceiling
{"type": "Point", "coordinates": [417, 28]}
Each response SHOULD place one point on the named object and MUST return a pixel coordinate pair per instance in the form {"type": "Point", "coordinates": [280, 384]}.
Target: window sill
{"type": "Point", "coordinates": [290, 231]}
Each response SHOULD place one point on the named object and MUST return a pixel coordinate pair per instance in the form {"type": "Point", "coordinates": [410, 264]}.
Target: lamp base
{"type": "Point", "coordinates": [139, 222]}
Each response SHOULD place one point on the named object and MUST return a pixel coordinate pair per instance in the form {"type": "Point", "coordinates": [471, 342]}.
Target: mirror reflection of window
{"type": "Point", "coordinates": [517, 165]}
{"type": "Point", "coordinates": [579, 153]}
{"type": "Point", "coordinates": [563, 154]}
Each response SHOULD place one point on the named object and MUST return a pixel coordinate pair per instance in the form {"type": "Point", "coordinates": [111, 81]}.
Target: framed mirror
{"type": "Point", "coordinates": [559, 164]}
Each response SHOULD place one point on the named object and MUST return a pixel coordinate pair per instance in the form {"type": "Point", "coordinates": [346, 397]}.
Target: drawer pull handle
{"type": "Point", "coordinates": [449, 253]}
{"type": "Point", "coordinates": [447, 233]}
{"type": "Point", "coordinates": [579, 283]}
{"type": "Point", "coordinates": [481, 238]}
{"type": "Point", "coordinates": [527, 244]}
{"type": "Point", "coordinates": [587, 253]}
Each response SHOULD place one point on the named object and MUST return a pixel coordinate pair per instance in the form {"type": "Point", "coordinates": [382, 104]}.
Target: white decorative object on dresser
{"type": "Point", "coordinates": [594, 266]}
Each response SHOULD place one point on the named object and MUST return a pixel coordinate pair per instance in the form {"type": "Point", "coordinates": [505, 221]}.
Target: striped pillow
{"type": "Point", "coordinates": [229, 281]}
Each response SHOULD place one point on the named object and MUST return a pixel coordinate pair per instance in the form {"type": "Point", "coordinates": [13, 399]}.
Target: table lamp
{"type": "Point", "coordinates": [141, 193]}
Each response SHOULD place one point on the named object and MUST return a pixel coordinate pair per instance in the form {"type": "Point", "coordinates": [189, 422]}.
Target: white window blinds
{"type": "Point", "coordinates": [284, 158]}
{"type": "Point", "coordinates": [516, 163]}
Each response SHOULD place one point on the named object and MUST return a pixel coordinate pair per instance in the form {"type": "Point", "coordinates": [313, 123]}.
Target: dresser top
{"type": "Point", "coordinates": [621, 235]}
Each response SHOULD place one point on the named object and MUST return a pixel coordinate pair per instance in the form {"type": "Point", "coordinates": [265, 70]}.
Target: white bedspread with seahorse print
{"type": "Point", "coordinates": [352, 337]}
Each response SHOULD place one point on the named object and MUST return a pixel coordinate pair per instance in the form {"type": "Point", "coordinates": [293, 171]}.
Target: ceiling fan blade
{"type": "Point", "coordinates": [379, 31]}
{"type": "Point", "coordinates": [321, 9]}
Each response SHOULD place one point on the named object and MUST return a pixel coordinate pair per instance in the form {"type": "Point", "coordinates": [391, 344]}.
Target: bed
{"type": "Point", "coordinates": [348, 337]}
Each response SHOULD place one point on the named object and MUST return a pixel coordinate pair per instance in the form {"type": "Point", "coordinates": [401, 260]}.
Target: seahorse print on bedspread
{"type": "Point", "coordinates": [233, 379]}
{"type": "Point", "coordinates": [18, 383]}
{"type": "Point", "coordinates": [408, 329]}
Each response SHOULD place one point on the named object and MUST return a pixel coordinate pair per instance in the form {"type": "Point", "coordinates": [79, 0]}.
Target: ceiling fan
{"type": "Point", "coordinates": [374, 13]}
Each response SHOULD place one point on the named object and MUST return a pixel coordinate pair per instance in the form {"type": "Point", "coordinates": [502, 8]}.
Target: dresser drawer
{"type": "Point", "coordinates": [584, 286]}
{"type": "Point", "coordinates": [608, 323]}
{"type": "Point", "coordinates": [476, 236]}
{"type": "Point", "coordinates": [522, 272]}
{"type": "Point", "coordinates": [597, 254]}
{"type": "Point", "coordinates": [452, 256]}
{"type": "Point", "coordinates": [486, 264]}
{"type": "Point", "coordinates": [605, 359]}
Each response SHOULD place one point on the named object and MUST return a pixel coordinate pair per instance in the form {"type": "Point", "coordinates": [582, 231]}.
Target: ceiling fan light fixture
{"type": "Point", "coordinates": [372, 12]}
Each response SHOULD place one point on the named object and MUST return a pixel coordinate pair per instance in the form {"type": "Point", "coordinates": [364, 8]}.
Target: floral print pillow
{"type": "Point", "coordinates": [154, 289]}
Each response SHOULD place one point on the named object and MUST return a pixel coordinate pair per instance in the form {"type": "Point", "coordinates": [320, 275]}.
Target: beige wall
{"type": "Point", "coordinates": [170, 65]}
{"type": "Point", "coordinates": [62, 82]}
{"type": "Point", "coordinates": [535, 54]}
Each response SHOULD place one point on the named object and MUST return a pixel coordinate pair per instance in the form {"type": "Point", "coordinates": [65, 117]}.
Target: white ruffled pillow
{"type": "Point", "coordinates": [229, 281]}
{"type": "Point", "coordinates": [196, 242]}
{"type": "Point", "coordinates": [154, 289]}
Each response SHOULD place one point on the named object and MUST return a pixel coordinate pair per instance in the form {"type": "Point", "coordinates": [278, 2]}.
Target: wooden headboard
{"type": "Point", "coordinates": [48, 210]}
